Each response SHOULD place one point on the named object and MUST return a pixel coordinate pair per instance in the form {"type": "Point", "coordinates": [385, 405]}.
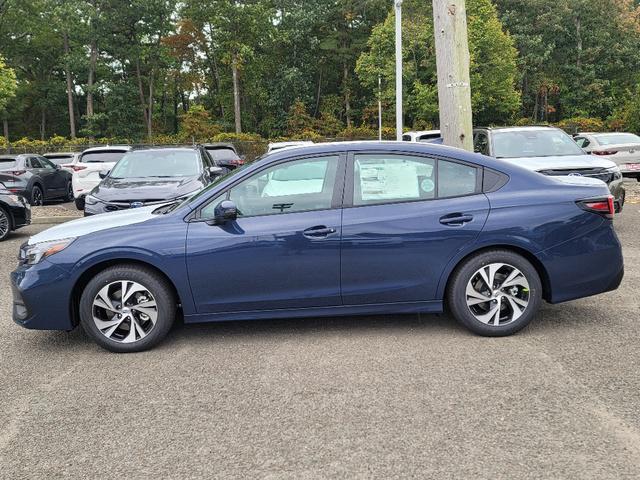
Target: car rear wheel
{"type": "Point", "coordinates": [37, 198]}
{"type": "Point", "coordinates": [69, 196]}
{"type": "Point", "coordinates": [495, 293]}
{"type": "Point", "coordinates": [5, 224]}
{"type": "Point", "coordinates": [127, 308]}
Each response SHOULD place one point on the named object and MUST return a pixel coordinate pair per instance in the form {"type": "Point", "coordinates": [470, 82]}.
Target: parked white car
{"type": "Point", "coordinates": [280, 145]}
{"type": "Point", "coordinates": [66, 160]}
{"type": "Point", "coordinates": [86, 170]}
{"type": "Point", "coordinates": [619, 147]}
{"type": "Point", "coordinates": [421, 136]}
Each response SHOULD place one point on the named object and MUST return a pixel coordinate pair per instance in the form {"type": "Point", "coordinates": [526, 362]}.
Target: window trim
{"type": "Point", "coordinates": [350, 177]}
{"type": "Point", "coordinates": [337, 196]}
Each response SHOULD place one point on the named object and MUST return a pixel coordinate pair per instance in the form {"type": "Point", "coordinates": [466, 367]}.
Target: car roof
{"type": "Point", "coordinates": [219, 145]}
{"type": "Point", "coordinates": [168, 149]}
{"type": "Point", "coordinates": [422, 132]}
{"type": "Point", "coordinates": [605, 133]}
{"type": "Point", "coordinates": [60, 153]}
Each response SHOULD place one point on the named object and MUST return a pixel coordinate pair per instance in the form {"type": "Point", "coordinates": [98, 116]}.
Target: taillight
{"type": "Point", "coordinates": [17, 173]}
{"type": "Point", "coordinates": [603, 206]}
{"type": "Point", "coordinates": [77, 168]}
{"type": "Point", "coordinates": [604, 152]}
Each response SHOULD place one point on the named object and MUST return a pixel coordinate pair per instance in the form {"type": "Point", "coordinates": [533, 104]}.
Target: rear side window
{"type": "Point", "coordinates": [222, 154]}
{"type": "Point", "coordinates": [102, 156]}
{"type": "Point", "coordinates": [7, 162]}
{"type": "Point", "coordinates": [383, 178]}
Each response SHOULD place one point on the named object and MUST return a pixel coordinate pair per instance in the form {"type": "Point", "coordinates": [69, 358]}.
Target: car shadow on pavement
{"type": "Point", "coordinates": [551, 320]}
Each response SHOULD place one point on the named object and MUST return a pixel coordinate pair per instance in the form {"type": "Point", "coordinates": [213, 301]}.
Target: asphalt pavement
{"type": "Point", "coordinates": [373, 397]}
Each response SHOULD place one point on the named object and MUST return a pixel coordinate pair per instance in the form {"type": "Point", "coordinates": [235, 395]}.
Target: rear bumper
{"type": "Point", "coordinates": [82, 186]}
{"type": "Point", "coordinates": [584, 266]}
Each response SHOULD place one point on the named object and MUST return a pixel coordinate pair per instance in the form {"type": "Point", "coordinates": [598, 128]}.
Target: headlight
{"type": "Point", "coordinates": [617, 174]}
{"type": "Point", "coordinates": [32, 254]}
{"type": "Point", "coordinates": [15, 198]}
{"type": "Point", "coordinates": [91, 200]}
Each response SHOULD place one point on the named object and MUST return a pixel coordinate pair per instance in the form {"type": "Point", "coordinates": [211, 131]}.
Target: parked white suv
{"type": "Point", "coordinates": [87, 168]}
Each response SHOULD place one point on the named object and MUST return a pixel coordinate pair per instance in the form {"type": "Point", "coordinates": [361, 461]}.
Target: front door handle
{"type": "Point", "coordinates": [318, 231]}
{"type": "Point", "coordinates": [455, 219]}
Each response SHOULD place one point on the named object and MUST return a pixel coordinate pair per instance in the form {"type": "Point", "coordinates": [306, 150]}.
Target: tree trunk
{"type": "Point", "coordinates": [315, 113]}
{"type": "Point", "coordinates": [143, 101]}
{"type": "Point", "coordinates": [67, 72]}
{"type": "Point", "coordinates": [236, 93]}
{"type": "Point", "coordinates": [150, 108]}
{"type": "Point", "coordinates": [452, 59]}
{"type": "Point", "coordinates": [93, 59]}
{"type": "Point", "coordinates": [579, 40]}
{"type": "Point", "coordinates": [347, 93]}
{"type": "Point", "coordinates": [43, 124]}
{"type": "Point", "coordinates": [5, 124]}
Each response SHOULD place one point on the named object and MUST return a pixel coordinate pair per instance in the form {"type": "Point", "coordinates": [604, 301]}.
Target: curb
{"type": "Point", "coordinates": [52, 220]}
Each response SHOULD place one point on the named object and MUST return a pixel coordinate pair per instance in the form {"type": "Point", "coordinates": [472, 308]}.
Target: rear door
{"type": "Point", "coordinates": [405, 217]}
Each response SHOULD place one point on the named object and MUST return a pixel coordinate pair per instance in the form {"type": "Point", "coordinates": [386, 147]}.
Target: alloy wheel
{"type": "Point", "coordinates": [124, 311]}
{"type": "Point", "coordinates": [497, 294]}
{"type": "Point", "coordinates": [36, 197]}
{"type": "Point", "coordinates": [4, 224]}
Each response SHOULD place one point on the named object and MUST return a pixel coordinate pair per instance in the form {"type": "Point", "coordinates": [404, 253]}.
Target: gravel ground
{"type": "Point", "coordinates": [56, 210]}
{"type": "Point", "coordinates": [383, 397]}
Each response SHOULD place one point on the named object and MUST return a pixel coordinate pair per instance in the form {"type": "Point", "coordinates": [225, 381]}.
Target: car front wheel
{"type": "Point", "coordinates": [495, 293]}
{"type": "Point", "coordinates": [127, 308]}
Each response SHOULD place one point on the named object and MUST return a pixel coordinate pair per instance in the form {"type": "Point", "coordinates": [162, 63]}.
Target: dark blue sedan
{"type": "Point", "coordinates": [330, 229]}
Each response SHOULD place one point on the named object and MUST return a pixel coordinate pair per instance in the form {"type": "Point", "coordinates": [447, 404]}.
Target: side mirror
{"type": "Point", "coordinates": [57, 167]}
{"type": "Point", "coordinates": [103, 173]}
{"type": "Point", "coordinates": [225, 211]}
{"type": "Point", "coordinates": [215, 171]}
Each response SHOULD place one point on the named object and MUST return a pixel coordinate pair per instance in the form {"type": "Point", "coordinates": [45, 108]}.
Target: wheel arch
{"type": "Point", "coordinates": [89, 273]}
{"type": "Point", "coordinates": [528, 255]}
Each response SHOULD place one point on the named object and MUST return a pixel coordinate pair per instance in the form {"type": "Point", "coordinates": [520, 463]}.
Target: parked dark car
{"type": "Point", "coordinates": [152, 177]}
{"type": "Point", "coordinates": [15, 212]}
{"type": "Point", "coordinates": [336, 229]}
{"type": "Point", "coordinates": [225, 155]}
{"type": "Point", "coordinates": [35, 178]}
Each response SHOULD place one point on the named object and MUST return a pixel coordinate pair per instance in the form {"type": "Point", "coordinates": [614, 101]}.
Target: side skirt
{"type": "Point", "coordinates": [334, 311]}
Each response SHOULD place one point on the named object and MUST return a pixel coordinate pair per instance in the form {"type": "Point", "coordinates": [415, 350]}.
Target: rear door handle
{"type": "Point", "coordinates": [318, 231]}
{"type": "Point", "coordinates": [456, 219]}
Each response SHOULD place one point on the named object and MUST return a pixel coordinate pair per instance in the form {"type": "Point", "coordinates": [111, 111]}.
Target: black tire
{"type": "Point", "coordinates": [69, 196]}
{"type": "Point", "coordinates": [80, 203]}
{"type": "Point", "coordinates": [462, 275]}
{"type": "Point", "coordinates": [156, 285]}
{"type": "Point", "coordinates": [6, 226]}
{"type": "Point", "coordinates": [36, 197]}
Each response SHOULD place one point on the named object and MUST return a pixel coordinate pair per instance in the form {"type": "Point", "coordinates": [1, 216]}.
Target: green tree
{"type": "Point", "coordinates": [8, 87]}
{"type": "Point", "coordinates": [493, 64]}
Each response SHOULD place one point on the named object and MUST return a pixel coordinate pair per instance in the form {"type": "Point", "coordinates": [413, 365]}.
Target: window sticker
{"type": "Point", "coordinates": [384, 180]}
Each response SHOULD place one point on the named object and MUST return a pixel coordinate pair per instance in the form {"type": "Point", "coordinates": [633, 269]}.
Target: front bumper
{"type": "Point", "coordinates": [42, 297]}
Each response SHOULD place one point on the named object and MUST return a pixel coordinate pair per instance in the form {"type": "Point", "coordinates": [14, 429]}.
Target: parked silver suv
{"type": "Point", "coordinates": [550, 151]}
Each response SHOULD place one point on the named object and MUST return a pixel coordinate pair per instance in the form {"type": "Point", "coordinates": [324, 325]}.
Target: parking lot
{"type": "Point", "coordinates": [385, 397]}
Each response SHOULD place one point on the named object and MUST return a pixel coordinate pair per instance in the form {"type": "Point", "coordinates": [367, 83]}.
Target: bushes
{"type": "Point", "coordinates": [582, 124]}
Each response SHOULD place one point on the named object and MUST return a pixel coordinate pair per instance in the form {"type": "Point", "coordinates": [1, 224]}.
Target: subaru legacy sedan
{"type": "Point", "coordinates": [326, 230]}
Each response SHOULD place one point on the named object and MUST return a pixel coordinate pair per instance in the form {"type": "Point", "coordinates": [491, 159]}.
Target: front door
{"type": "Point", "coordinates": [283, 251]}
{"type": "Point", "coordinates": [407, 216]}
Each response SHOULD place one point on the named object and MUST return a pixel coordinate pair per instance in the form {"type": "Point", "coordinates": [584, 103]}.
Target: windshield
{"type": "Point", "coordinates": [222, 154]}
{"type": "Point", "coordinates": [102, 156]}
{"type": "Point", "coordinates": [617, 139]}
{"type": "Point", "coordinates": [534, 143]}
{"type": "Point", "coordinates": [157, 163]}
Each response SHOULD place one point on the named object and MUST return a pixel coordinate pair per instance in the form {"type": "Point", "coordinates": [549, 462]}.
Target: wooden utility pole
{"type": "Point", "coordinates": [452, 60]}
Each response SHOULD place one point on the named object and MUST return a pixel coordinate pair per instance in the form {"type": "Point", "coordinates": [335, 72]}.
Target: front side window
{"type": "Point", "coordinates": [297, 186]}
{"type": "Point", "coordinates": [582, 142]}
{"type": "Point", "coordinates": [46, 163]}
{"type": "Point", "coordinates": [389, 178]}
{"type": "Point", "coordinates": [481, 144]}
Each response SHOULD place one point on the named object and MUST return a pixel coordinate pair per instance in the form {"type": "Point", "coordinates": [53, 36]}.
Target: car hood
{"type": "Point", "coordinates": [145, 189]}
{"type": "Point", "coordinates": [95, 223]}
{"type": "Point", "coordinates": [561, 162]}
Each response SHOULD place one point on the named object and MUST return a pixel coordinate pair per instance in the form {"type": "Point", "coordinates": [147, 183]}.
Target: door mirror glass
{"type": "Point", "coordinates": [103, 173]}
{"type": "Point", "coordinates": [225, 211]}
